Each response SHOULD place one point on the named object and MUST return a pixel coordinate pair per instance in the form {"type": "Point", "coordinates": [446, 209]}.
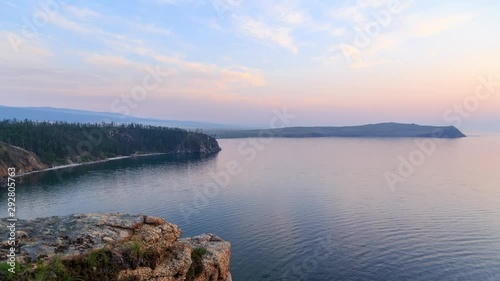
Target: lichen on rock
{"type": "Point", "coordinates": [114, 247]}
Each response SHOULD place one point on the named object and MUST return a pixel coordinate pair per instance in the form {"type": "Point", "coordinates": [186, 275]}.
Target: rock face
{"type": "Point", "coordinates": [25, 161]}
{"type": "Point", "coordinates": [205, 146]}
{"type": "Point", "coordinates": [113, 247]}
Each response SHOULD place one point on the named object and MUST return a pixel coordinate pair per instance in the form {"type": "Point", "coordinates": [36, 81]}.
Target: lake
{"type": "Point", "coordinates": [310, 209]}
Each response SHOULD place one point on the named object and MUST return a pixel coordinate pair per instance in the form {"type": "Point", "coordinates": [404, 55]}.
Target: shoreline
{"type": "Point", "coordinates": [89, 163]}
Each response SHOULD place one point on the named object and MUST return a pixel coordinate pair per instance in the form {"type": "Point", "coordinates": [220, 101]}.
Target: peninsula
{"type": "Point", "coordinates": [382, 130]}
{"type": "Point", "coordinates": [33, 146]}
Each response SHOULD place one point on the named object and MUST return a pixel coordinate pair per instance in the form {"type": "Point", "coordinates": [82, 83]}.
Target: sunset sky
{"type": "Point", "coordinates": [234, 61]}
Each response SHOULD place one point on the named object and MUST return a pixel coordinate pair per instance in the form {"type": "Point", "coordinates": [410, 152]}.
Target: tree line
{"type": "Point", "coordinates": [62, 142]}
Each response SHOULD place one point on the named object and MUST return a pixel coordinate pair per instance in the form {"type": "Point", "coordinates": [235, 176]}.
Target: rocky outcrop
{"type": "Point", "coordinates": [114, 247]}
{"type": "Point", "coordinates": [215, 268]}
{"type": "Point", "coordinates": [210, 146]}
{"type": "Point", "coordinates": [24, 161]}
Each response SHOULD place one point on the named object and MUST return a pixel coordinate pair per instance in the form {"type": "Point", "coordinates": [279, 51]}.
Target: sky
{"type": "Point", "coordinates": [239, 61]}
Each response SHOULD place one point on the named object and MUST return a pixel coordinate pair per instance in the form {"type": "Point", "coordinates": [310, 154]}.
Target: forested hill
{"type": "Point", "coordinates": [59, 143]}
{"type": "Point", "coordinates": [383, 130]}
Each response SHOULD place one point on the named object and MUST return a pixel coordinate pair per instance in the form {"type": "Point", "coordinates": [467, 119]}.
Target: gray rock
{"type": "Point", "coordinates": [135, 247]}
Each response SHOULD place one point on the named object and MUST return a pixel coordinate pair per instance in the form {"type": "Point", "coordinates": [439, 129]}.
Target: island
{"type": "Point", "coordinates": [382, 130]}
{"type": "Point", "coordinates": [110, 247]}
{"type": "Point", "coordinates": [34, 146]}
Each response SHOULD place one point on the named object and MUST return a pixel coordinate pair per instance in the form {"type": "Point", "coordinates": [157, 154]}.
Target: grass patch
{"type": "Point", "coordinates": [57, 265]}
{"type": "Point", "coordinates": [96, 265]}
{"type": "Point", "coordinates": [99, 257]}
{"type": "Point", "coordinates": [201, 251]}
{"type": "Point", "coordinates": [102, 264]}
{"type": "Point", "coordinates": [42, 272]}
{"type": "Point", "coordinates": [136, 248]}
{"type": "Point", "coordinates": [197, 263]}
{"type": "Point", "coordinates": [5, 274]}
{"type": "Point", "coordinates": [53, 270]}
{"type": "Point", "coordinates": [136, 254]}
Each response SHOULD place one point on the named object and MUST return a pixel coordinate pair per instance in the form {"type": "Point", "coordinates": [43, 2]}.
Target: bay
{"type": "Point", "coordinates": [309, 209]}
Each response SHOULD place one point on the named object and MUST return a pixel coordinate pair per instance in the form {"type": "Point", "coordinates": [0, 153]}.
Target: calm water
{"type": "Point", "coordinates": [310, 209]}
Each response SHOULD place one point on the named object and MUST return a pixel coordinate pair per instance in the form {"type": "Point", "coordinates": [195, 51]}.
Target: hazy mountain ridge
{"type": "Point", "coordinates": [382, 130]}
{"type": "Point", "coordinates": [84, 116]}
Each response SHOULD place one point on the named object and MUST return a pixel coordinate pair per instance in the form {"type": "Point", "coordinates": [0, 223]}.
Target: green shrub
{"type": "Point", "coordinates": [197, 263]}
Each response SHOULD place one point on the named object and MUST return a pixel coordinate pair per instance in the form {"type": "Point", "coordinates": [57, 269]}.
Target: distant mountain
{"type": "Point", "coordinates": [84, 116]}
{"type": "Point", "coordinates": [383, 130]}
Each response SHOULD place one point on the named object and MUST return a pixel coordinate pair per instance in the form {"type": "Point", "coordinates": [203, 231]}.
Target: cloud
{"type": "Point", "coordinates": [118, 42]}
{"type": "Point", "coordinates": [150, 28]}
{"type": "Point", "coordinates": [293, 17]}
{"type": "Point", "coordinates": [111, 60]}
{"type": "Point", "coordinates": [337, 31]}
{"type": "Point", "coordinates": [81, 13]}
{"type": "Point", "coordinates": [261, 31]}
{"type": "Point", "coordinates": [353, 14]}
{"type": "Point", "coordinates": [288, 14]}
{"type": "Point", "coordinates": [24, 53]}
{"type": "Point", "coordinates": [8, 3]}
{"type": "Point", "coordinates": [375, 54]}
{"type": "Point", "coordinates": [430, 27]}
{"type": "Point", "coordinates": [364, 11]}
{"type": "Point", "coordinates": [364, 49]}
{"type": "Point", "coordinates": [171, 2]}
{"type": "Point", "coordinates": [85, 27]}
{"type": "Point", "coordinates": [65, 23]}
{"type": "Point", "coordinates": [243, 74]}
{"type": "Point", "coordinates": [362, 64]}
{"type": "Point", "coordinates": [325, 59]}
{"type": "Point", "coordinates": [234, 75]}
{"type": "Point", "coordinates": [124, 47]}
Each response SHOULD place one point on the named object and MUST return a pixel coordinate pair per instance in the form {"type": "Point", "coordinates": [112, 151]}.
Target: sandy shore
{"type": "Point", "coordinates": [89, 163]}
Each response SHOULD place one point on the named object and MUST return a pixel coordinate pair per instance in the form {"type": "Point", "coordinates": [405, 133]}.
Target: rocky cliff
{"type": "Point", "coordinates": [113, 247]}
{"type": "Point", "coordinates": [24, 161]}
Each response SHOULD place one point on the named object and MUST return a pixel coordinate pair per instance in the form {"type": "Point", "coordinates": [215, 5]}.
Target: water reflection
{"type": "Point", "coordinates": [299, 194]}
